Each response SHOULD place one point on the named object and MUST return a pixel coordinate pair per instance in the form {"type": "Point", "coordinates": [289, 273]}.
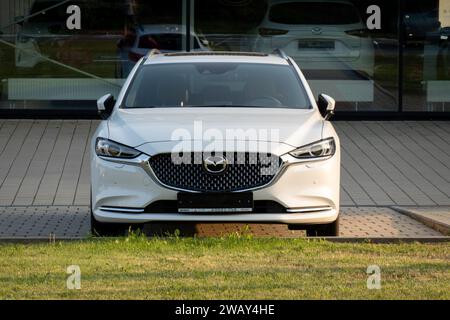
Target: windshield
{"type": "Point", "coordinates": [216, 85]}
{"type": "Point", "coordinates": [312, 13]}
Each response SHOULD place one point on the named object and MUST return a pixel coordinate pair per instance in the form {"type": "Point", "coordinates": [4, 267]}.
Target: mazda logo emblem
{"type": "Point", "coordinates": [215, 164]}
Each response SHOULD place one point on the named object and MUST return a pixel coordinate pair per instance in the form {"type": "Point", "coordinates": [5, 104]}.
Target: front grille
{"type": "Point", "coordinates": [245, 171]}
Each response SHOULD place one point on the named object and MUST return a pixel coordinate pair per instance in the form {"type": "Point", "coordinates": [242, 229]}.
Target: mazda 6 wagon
{"type": "Point", "coordinates": [216, 137]}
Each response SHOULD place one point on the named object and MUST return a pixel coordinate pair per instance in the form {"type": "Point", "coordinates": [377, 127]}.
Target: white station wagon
{"type": "Point", "coordinates": [216, 137]}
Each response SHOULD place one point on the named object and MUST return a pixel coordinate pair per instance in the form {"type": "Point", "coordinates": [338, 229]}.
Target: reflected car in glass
{"type": "Point", "coordinates": [43, 32]}
{"type": "Point", "coordinates": [216, 137]}
{"type": "Point", "coordinates": [319, 35]}
{"type": "Point", "coordinates": [144, 38]}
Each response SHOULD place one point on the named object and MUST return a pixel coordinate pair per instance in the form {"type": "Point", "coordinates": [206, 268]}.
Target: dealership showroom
{"type": "Point", "coordinates": [385, 62]}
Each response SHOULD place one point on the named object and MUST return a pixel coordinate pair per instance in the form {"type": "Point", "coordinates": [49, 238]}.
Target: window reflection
{"type": "Point", "coordinates": [327, 38]}
{"type": "Point", "coordinates": [46, 65]}
{"type": "Point", "coordinates": [427, 56]}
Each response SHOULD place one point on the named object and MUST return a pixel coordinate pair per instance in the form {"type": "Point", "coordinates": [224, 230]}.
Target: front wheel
{"type": "Point", "coordinates": [319, 230]}
{"type": "Point", "coordinates": [324, 230]}
{"type": "Point", "coordinates": [102, 229]}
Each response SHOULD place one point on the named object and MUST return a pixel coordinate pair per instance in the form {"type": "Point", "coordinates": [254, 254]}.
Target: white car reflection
{"type": "Point", "coordinates": [319, 35]}
{"type": "Point", "coordinates": [143, 38]}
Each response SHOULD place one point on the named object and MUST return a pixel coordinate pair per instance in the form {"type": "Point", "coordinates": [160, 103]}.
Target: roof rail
{"type": "Point", "coordinates": [215, 53]}
{"type": "Point", "coordinates": [280, 53]}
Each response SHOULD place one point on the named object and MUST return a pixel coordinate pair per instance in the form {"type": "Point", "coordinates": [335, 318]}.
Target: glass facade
{"type": "Point", "coordinates": [426, 78]}
{"type": "Point", "coordinates": [370, 55]}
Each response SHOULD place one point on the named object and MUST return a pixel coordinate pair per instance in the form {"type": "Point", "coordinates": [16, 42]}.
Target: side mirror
{"type": "Point", "coordinates": [326, 106]}
{"type": "Point", "coordinates": [105, 106]}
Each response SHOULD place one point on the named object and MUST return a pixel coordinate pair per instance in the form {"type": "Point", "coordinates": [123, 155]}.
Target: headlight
{"type": "Point", "coordinates": [319, 149]}
{"type": "Point", "coordinates": [108, 148]}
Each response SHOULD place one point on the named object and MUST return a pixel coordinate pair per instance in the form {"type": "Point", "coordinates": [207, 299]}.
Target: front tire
{"type": "Point", "coordinates": [324, 230]}
{"type": "Point", "coordinates": [319, 230]}
{"type": "Point", "coordinates": [103, 229]}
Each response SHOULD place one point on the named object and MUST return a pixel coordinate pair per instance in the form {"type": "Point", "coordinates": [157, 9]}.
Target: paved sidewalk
{"type": "Point", "coordinates": [44, 179]}
{"type": "Point", "coordinates": [437, 218]}
{"type": "Point", "coordinates": [383, 163]}
{"type": "Point", "coordinates": [74, 222]}
{"type": "Point", "coordinates": [395, 163]}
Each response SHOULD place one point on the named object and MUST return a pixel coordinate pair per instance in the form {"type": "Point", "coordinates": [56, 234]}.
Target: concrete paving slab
{"type": "Point", "coordinates": [44, 180]}
{"type": "Point", "coordinates": [437, 218]}
{"type": "Point", "coordinates": [73, 222]}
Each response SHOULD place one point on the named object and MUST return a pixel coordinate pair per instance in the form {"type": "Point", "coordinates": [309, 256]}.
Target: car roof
{"type": "Point", "coordinates": [216, 56]}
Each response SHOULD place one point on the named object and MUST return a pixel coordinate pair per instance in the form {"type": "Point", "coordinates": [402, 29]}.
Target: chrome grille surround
{"type": "Point", "coordinates": [247, 171]}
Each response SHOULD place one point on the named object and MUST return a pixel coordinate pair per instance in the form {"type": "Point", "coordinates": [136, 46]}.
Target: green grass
{"type": "Point", "coordinates": [234, 267]}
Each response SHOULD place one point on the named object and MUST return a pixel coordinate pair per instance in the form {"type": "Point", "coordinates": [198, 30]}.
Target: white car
{"type": "Point", "coordinates": [318, 35]}
{"type": "Point", "coordinates": [216, 137]}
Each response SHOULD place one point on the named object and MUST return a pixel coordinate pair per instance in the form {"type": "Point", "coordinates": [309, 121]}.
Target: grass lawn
{"type": "Point", "coordinates": [234, 267]}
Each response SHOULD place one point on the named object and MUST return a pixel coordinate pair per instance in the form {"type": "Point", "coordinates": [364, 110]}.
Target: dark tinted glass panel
{"type": "Point", "coordinates": [43, 12]}
{"type": "Point", "coordinates": [426, 80]}
{"type": "Point", "coordinates": [165, 42]}
{"type": "Point", "coordinates": [314, 13]}
{"type": "Point", "coordinates": [161, 41]}
{"type": "Point", "coordinates": [329, 40]}
{"type": "Point", "coordinates": [45, 64]}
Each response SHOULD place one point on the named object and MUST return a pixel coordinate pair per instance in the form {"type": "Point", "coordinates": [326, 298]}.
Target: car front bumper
{"type": "Point", "coordinates": [315, 217]}
{"type": "Point", "coordinates": [309, 191]}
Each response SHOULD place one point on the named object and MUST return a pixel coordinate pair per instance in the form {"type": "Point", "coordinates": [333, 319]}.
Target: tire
{"type": "Point", "coordinates": [323, 230]}
{"type": "Point", "coordinates": [102, 229]}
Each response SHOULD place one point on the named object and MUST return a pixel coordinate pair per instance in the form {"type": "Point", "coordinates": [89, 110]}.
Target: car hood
{"type": "Point", "coordinates": [160, 129]}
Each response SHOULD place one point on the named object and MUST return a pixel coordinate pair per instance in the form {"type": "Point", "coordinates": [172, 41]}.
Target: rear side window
{"type": "Point", "coordinates": [216, 85]}
{"type": "Point", "coordinates": [313, 13]}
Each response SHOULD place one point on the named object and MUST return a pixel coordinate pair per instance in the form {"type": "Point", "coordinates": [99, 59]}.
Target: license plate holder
{"type": "Point", "coordinates": [316, 44]}
{"type": "Point", "coordinates": [215, 202]}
